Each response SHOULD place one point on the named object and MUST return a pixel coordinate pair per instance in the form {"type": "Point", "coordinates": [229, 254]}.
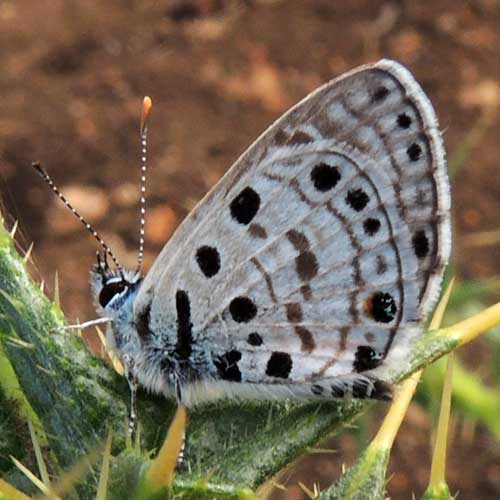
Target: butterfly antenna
{"type": "Point", "coordinates": [146, 109]}
{"type": "Point", "coordinates": [45, 176]}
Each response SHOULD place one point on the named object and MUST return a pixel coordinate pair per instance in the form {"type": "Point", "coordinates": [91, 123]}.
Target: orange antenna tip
{"type": "Point", "coordinates": [146, 109]}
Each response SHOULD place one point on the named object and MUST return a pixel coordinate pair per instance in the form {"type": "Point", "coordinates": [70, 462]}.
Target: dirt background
{"type": "Point", "coordinates": [72, 76]}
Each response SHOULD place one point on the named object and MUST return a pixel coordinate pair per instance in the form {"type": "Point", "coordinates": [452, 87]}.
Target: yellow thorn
{"type": "Point", "coordinates": [78, 331]}
{"type": "Point", "coordinates": [437, 317]}
{"type": "Point", "coordinates": [20, 343]}
{"type": "Point", "coordinates": [266, 490]}
{"type": "Point", "coordinates": [42, 468]}
{"type": "Point", "coordinates": [12, 232]}
{"type": "Point", "coordinates": [312, 494]}
{"type": "Point", "coordinates": [10, 492]}
{"type": "Point", "coordinates": [57, 298]}
{"type": "Point", "coordinates": [102, 488]}
{"type": "Point", "coordinates": [42, 286]}
{"type": "Point", "coordinates": [27, 255]}
{"type": "Point", "coordinates": [438, 467]}
{"type": "Point", "coordinates": [161, 471]}
{"type": "Point", "coordinates": [102, 339]}
{"type": "Point", "coordinates": [469, 329]}
{"type": "Point", "coordinates": [42, 487]}
{"type": "Point", "coordinates": [117, 364]}
{"type": "Point", "coordinates": [72, 476]}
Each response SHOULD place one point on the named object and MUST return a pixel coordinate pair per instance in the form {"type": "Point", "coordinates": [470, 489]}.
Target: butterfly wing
{"type": "Point", "coordinates": [318, 254]}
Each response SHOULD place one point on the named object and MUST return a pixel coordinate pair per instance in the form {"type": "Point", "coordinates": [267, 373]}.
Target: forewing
{"type": "Point", "coordinates": [324, 245]}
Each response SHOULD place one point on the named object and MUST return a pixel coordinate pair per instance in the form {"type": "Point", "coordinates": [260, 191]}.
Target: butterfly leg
{"type": "Point", "coordinates": [178, 395]}
{"type": "Point", "coordinates": [180, 458]}
{"type": "Point", "coordinates": [132, 383]}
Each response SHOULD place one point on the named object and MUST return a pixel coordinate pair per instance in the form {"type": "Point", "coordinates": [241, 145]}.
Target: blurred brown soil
{"type": "Point", "coordinates": [72, 77]}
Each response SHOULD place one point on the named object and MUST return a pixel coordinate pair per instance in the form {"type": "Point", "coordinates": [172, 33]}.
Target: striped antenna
{"type": "Point", "coordinates": [45, 176]}
{"type": "Point", "coordinates": [146, 109]}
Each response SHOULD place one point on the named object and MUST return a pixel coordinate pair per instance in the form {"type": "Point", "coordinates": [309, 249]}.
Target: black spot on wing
{"type": "Point", "coordinates": [366, 358]}
{"type": "Point", "coordinates": [357, 199]}
{"type": "Point", "coordinates": [371, 226]}
{"type": "Point", "coordinates": [208, 260]}
{"type": "Point", "coordinates": [142, 323]}
{"type": "Point", "coordinates": [381, 307]}
{"type": "Point", "coordinates": [363, 388]}
{"type": "Point", "coordinates": [404, 121]}
{"type": "Point", "coordinates": [254, 339]}
{"type": "Point", "coordinates": [183, 347]}
{"type": "Point", "coordinates": [381, 390]}
{"type": "Point", "coordinates": [227, 366]}
{"type": "Point", "coordinates": [414, 151]}
{"type": "Point", "coordinates": [242, 309]}
{"type": "Point", "coordinates": [420, 244]}
{"type": "Point", "coordinates": [325, 177]}
{"type": "Point", "coordinates": [245, 206]}
{"type": "Point", "coordinates": [279, 365]}
{"type": "Point", "coordinates": [317, 389]}
{"type": "Point", "coordinates": [380, 94]}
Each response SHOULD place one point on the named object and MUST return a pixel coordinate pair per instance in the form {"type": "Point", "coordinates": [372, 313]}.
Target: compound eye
{"type": "Point", "coordinates": [109, 290]}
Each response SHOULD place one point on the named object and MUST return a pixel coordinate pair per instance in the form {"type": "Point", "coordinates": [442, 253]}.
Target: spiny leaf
{"type": "Point", "coordinates": [437, 482]}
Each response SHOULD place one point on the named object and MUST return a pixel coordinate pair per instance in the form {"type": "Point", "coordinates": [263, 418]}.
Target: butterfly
{"type": "Point", "coordinates": [309, 269]}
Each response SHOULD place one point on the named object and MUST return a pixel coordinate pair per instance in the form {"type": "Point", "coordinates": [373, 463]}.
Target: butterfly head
{"type": "Point", "coordinates": [112, 288]}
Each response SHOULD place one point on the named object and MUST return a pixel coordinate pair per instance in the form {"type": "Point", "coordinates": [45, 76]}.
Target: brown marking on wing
{"type": "Point", "coordinates": [294, 184]}
{"type": "Point", "coordinates": [306, 292]}
{"type": "Point", "coordinates": [281, 137]}
{"type": "Point", "coordinates": [307, 265]}
{"type": "Point", "coordinates": [300, 137]}
{"type": "Point", "coordinates": [344, 332]}
{"type": "Point", "coordinates": [273, 177]}
{"type": "Point", "coordinates": [257, 231]}
{"type": "Point", "coordinates": [306, 337]}
{"type": "Point", "coordinates": [369, 337]}
{"type": "Point", "coordinates": [381, 265]}
{"type": "Point", "coordinates": [298, 240]}
{"type": "Point", "coordinates": [294, 312]}
{"type": "Point", "coordinates": [267, 278]}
